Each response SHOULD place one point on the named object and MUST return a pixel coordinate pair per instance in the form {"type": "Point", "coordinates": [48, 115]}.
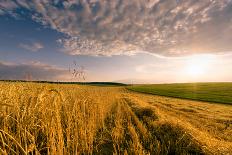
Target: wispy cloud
{"type": "Point", "coordinates": [164, 27]}
{"type": "Point", "coordinates": [1, 12]}
{"type": "Point", "coordinates": [36, 71]}
{"type": "Point", "coordinates": [34, 47]}
{"type": "Point", "coordinates": [8, 5]}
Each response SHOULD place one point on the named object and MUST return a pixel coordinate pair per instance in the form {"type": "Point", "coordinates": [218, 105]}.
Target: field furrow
{"type": "Point", "coordinates": [74, 119]}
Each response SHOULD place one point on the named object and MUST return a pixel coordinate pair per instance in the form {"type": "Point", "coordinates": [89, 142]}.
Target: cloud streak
{"type": "Point", "coordinates": [34, 47]}
{"type": "Point", "coordinates": [164, 27]}
{"type": "Point", "coordinates": [32, 70]}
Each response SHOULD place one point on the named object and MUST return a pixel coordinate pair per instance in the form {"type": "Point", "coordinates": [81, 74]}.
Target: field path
{"type": "Point", "coordinates": [210, 124]}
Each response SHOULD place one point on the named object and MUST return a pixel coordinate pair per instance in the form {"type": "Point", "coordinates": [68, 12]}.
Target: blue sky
{"type": "Point", "coordinates": [130, 41]}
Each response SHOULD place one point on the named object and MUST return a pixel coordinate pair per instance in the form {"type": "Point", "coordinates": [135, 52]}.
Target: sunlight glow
{"type": "Point", "coordinates": [198, 65]}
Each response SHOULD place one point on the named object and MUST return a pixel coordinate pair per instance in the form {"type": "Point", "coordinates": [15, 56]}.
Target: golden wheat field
{"type": "Point", "coordinates": [73, 119]}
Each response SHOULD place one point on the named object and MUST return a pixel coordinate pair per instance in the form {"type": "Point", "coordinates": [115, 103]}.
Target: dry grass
{"type": "Point", "coordinates": [208, 123]}
{"type": "Point", "coordinates": [72, 119]}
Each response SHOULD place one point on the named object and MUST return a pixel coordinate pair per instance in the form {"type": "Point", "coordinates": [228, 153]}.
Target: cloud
{"type": "Point", "coordinates": [8, 5]}
{"type": "Point", "coordinates": [34, 47]}
{"type": "Point", "coordinates": [1, 12]}
{"type": "Point", "coordinates": [33, 71]}
{"type": "Point", "coordinates": [164, 27]}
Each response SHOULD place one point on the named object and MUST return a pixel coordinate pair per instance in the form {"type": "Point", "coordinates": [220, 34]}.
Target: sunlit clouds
{"type": "Point", "coordinates": [167, 27]}
{"type": "Point", "coordinates": [140, 41]}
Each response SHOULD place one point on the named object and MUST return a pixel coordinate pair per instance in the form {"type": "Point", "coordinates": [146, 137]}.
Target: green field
{"type": "Point", "coordinates": [210, 92]}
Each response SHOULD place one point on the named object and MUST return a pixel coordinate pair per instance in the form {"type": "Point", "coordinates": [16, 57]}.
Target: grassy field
{"type": "Point", "coordinates": [41, 118]}
{"type": "Point", "coordinates": [210, 92]}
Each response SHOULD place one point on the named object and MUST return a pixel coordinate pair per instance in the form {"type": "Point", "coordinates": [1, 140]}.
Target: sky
{"type": "Point", "coordinates": [132, 41]}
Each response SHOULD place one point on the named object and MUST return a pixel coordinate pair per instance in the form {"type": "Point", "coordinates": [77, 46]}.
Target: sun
{"type": "Point", "coordinates": [195, 70]}
{"type": "Point", "coordinates": [198, 65]}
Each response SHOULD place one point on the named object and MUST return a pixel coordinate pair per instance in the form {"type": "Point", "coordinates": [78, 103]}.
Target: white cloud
{"type": "Point", "coordinates": [99, 27]}
{"type": "Point", "coordinates": [34, 47]}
